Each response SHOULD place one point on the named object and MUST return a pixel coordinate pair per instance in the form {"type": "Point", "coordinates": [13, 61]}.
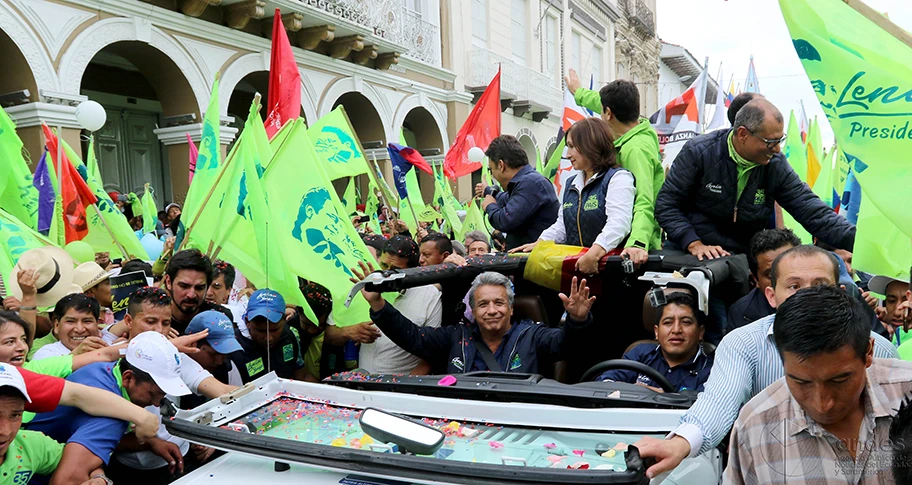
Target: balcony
{"type": "Point", "coordinates": [526, 90]}
{"type": "Point", "coordinates": [367, 32]}
{"type": "Point", "coordinates": [641, 17]}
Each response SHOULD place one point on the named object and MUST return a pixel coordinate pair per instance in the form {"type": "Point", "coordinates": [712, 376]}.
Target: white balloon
{"type": "Point", "coordinates": [476, 154]}
{"type": "Point", "coordinates": [91, 115]}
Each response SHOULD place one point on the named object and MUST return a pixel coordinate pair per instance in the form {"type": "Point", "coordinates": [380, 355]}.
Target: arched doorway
{"type": "Point", "coordinates": [420, 131]}
{"type": "Point", "coordinates": [242, 96]}
{"type": "Point", "coordinates": [141, 89]}
{"type": "Point", "coordinates": [528, 145]}
{"type": "Point", "coordinates": [17, 74]}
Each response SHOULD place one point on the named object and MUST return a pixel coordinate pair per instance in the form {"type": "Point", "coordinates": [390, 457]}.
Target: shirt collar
{"type": "Point", "coordinates": [523, 171]}
{"type": "Point", "coordinates": [117, 377]}
{"type": "Point", "coordinates": [658, 351]}
{"type": "Point", "coordinates": [578, 180]}
{"type": "Point", "coordinates": [742, 162]}
{"type": "Point", "coordinates": [476, 332]}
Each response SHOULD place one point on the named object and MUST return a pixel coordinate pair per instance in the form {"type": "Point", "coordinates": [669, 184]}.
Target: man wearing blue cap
{"type": "Point", "coordinates": [273, 345]}
{"type": "Point", "coordinates": [214, 351]}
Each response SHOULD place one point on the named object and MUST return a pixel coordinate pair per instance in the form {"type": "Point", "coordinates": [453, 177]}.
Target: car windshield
{"type": "Point", "coordinates": [300, 420]}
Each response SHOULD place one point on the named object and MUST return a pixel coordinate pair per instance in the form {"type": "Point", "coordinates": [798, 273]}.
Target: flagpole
{"type": "Point", "coordinates": [111, 233]}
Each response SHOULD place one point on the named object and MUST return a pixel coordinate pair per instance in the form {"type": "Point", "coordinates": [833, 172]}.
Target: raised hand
{"type": "Point", "coordinates": [573, 81]}
{"type": "Point", "coordinates": [578, 304]}
{"type": "Point", "coordinates": [27, 279]}
{"type": "Point", "coordinates": [360, 273]}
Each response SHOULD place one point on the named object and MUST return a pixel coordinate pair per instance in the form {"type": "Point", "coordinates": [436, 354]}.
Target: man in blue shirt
{"type": "Point", "coordinates": [273, 345]}
{"type": "Point", "coordinates": [678, 356]}
{"type": "Point", "coordinates": [528, 204]}
{"type": "Point", "coordinates": [149, 370]}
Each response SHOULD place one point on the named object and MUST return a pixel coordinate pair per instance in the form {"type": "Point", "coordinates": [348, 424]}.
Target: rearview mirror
{"type": "Point", "coordinates": [409, 435]}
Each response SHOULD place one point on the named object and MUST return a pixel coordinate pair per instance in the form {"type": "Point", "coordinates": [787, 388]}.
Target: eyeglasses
{"type": "Point", "coordinates": [770, 143]}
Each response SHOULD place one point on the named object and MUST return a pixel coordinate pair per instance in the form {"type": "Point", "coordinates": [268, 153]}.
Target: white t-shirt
{"type": "Point", "coordinates": [422, 306]}
{"type": "Point", "coordinates": [57, 348]}
{"type": "Point", "coordinates": [192, 373]}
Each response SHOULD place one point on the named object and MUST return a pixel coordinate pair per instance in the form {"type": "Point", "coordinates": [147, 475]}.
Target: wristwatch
{"type": "Point", "coordinates": [102, 476]}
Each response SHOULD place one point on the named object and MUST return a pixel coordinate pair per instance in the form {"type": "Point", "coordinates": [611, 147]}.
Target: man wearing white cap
{"type": "Point", "coordinates": [150, 369]}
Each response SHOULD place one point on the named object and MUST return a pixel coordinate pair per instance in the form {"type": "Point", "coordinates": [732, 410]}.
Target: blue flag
{"type": "Point", "coordinates": [400, 168]}
{"type": "Point", "coordinates": [47, 197]}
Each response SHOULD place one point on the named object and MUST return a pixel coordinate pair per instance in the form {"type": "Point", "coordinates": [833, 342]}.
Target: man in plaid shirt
{"type": "Point", "coordinates": [828, 420]}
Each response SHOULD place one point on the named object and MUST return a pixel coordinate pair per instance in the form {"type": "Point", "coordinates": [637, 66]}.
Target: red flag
{"type": "Point", "coordinates": [74, 192]}
{"type": "Point", "coordinates": [412, 156]}
{"type": "Point", "coordinates": [284, 93]}
{"type": "Point", "coordinates": [482, 126]}
{"type": "Point", "coordinates": [194, 154]}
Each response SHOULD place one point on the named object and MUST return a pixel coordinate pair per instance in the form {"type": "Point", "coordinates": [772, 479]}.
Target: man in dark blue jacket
{"type": "Point", "coordinates": [528, 205]}
{"type": "Point", "coordinates": [679, 353]}
{"type": "Point", "coordinates": [722, 188]}
{"type": "Point", "coordinates": [494, 342]}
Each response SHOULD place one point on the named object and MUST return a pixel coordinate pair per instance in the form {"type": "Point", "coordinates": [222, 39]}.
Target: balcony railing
{"type": "Point", "coordinates": [391, 21]}
{"type": "Point", "coordinates": [527, 89]}
{"type": "Point", "coordinates": [641, 16]}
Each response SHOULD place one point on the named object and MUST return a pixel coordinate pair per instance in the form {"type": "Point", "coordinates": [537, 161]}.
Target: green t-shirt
{"type": "Point", "coordinates": [59, 366]}
{"type": "Point", "coordinates": [31, 453]}
{"type": "Point", "coordinates": [905, 351]}
{"type": "Point", "coordinates": [41, 342]}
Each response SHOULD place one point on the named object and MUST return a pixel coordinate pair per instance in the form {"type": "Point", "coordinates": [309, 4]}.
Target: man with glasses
{"type": "Point", "coordinates": [723, 186]}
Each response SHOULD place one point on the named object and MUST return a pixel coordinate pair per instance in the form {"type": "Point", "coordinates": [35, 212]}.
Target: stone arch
{"type": "Point", "coordinates": [550, 146]}
{"type": "Point", "coordinates": [418, 106]}
{"type": "Point", "coordinates": [527, 139]}
{"type": "Point", "coordinates": [26, 40]}
{"type": "Point", "coordinates": [111, 31]}
{"type": "Point", "coordinates": [342, 86]}
{"type": "Point", "coordinates": [251, 63]}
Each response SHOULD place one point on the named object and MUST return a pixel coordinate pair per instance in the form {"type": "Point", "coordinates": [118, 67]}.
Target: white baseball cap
{"type": "Point", "coordinates": [879, 284]}
{"type": "Point", "coordinates": [153, 354]}
{"type": "Point", "coordinates": [10, 376]}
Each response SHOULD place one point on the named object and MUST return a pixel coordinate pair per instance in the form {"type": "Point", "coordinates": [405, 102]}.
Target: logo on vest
{"type": "Point", "coordinates": [457, 363]}
{"type": "Point", "coordinates": [568, 205]}
{"type": "Point", "coordinates": [592, 203]}
{"type": "Point", "coordinates": [714, 188]}
{"type": "Point", "coordinates": [759, 197]}
{"type": "Point", "coordinates": [288, 352]}
{"type": "Point", "coordinates": [516, 363]}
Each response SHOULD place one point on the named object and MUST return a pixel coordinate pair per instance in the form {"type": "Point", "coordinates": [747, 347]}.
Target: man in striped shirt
{"type": "Point", "coordinates": [746, 362]}
{"type": "Point", "coordinates": [828, 420]}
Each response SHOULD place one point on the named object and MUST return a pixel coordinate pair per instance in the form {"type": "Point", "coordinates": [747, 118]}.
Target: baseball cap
{"type": "Point", "coordinates": [265, 303]}
{"type": "Point", "coordinates": [221, 331]}
{"type": "Point", "coordinates": [10, 376]}
{"type": "Point", "coordinates": [153, 354]}
{"type": "Point", "coordinates": [878, 284]}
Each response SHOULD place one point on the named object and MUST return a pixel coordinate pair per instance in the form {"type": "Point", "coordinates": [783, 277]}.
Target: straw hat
{"type": "Point", "coordinates": [55, 274]}
{"type": "Point", "coordinates": [89, 274]}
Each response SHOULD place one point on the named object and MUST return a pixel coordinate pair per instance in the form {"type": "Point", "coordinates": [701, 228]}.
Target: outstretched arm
{"type": "Point", "coordinates": [75, 466]}
{"type": "Point", "coordinates": [99, 402]}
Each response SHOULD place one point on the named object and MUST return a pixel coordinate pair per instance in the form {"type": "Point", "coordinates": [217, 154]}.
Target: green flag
{"type": "Point", "coordinates": [841, 171]}
{"type": "Point", "coordinates": [17, 194]}
{"type": "Point", "coordinates": [149, 211]}
{"type": "Point", "coordinates": [348, 198]}
{"type": "Point", "coordinates": [553, 164]}
{"type": "Point", "coordinates": [796, 154]}
{"type": "Point", "coordinates": [443, 200]}
{"type": "Point", "coordinates": [319, 242]}
{"type": "Point", "coordinates": [15, 239]}
{"type": "Point", "coordinates": [247, 212]}
{"type": "Point", "coordinates": [474, 220]}
{"type": "Point", "coordinates": [877, 252]}
{"type": "Point", "coordinates": [860, 73]}
{"type": "Point", "coordinates": [99, 236]}
{"type": "Point", "coordinates": [336, 145]}
{"type": "Point", "coordinates": [208, 167]}
{"type": "Point", "coordinates": [824, 186]}
{"type": "Point", "coordinates": [794, 149]}
{"type": "Point", "coordinates": [376, 176]}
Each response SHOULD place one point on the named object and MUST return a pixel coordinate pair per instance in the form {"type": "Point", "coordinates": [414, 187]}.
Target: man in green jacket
{"type": "Point", "coordinates": [638, 151]}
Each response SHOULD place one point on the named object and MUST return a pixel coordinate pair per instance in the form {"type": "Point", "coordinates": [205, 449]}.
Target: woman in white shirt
{"type": "Point", "coordinates": [597, 206]}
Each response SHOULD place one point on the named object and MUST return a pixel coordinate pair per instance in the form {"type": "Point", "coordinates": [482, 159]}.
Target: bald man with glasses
{"type": "Point", "coordinates": [723, 186]}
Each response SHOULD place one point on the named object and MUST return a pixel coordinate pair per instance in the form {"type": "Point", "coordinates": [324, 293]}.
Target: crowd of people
{"type": "Point", "coordinates": [809, 340]}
